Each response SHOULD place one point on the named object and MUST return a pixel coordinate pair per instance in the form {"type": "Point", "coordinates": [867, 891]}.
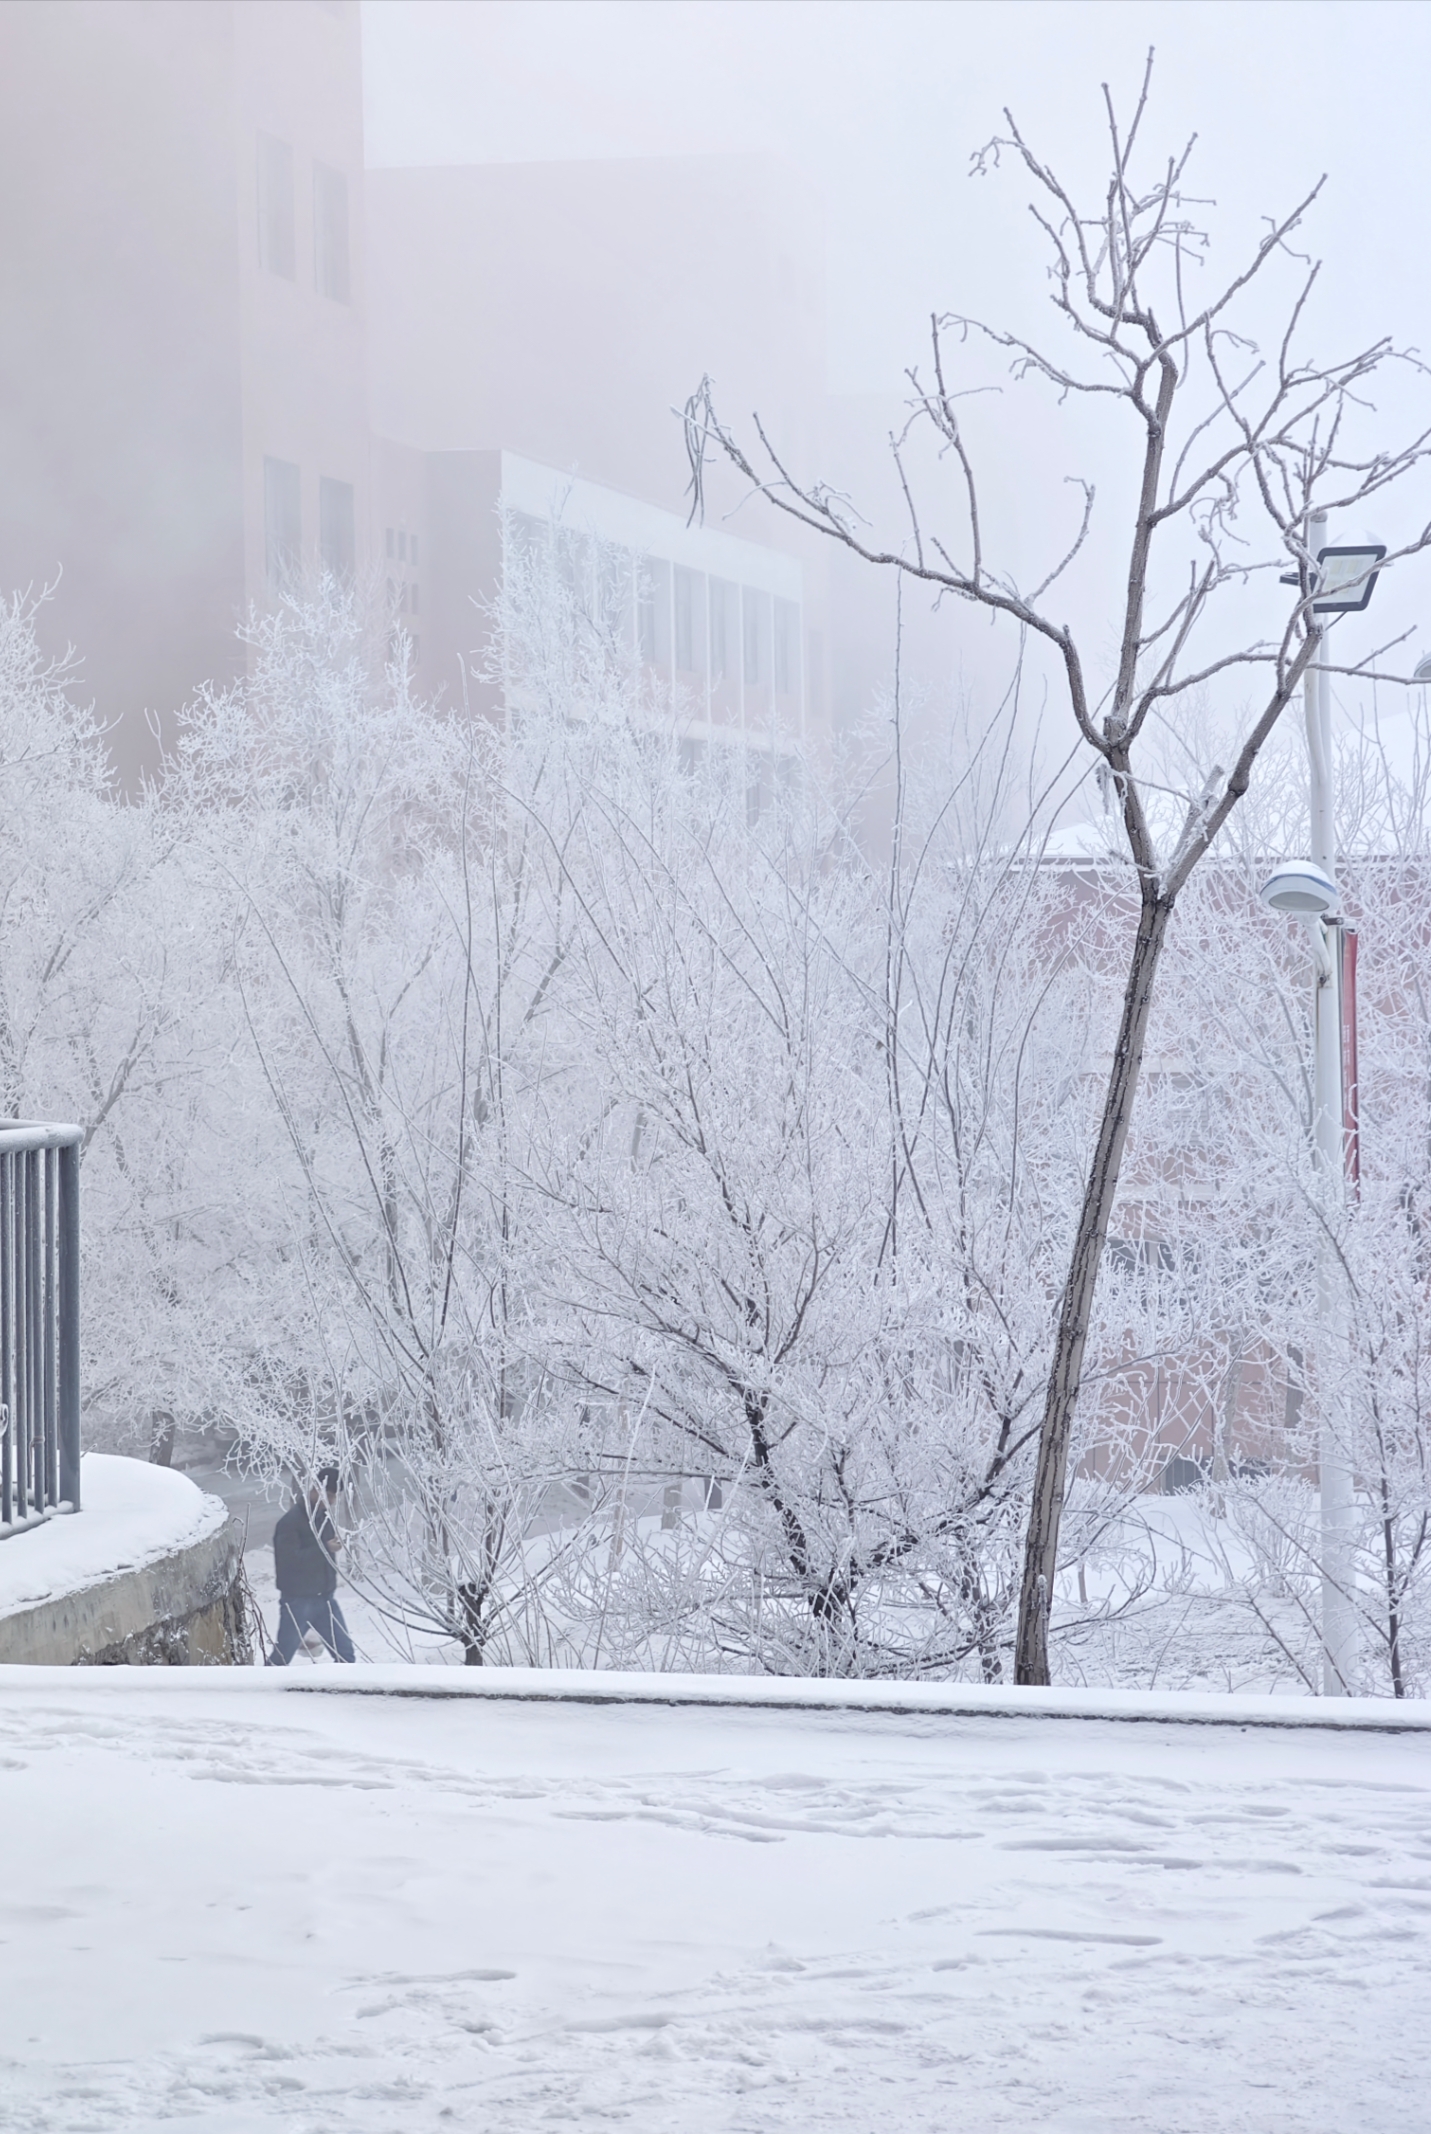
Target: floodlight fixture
{"type": "Point", "coordinates": [1300, 889]}
{"type": "Point", "coordinates": [1422, 672]}
{"type": "Point", "coordinates": [1347, 578]}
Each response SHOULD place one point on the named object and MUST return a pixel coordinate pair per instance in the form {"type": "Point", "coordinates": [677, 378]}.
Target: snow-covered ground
{"type": "Point", "coordinates": [238, 1901]}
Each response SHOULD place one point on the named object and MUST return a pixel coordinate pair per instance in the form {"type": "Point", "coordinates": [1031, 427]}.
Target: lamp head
{"type": "Point", "coordinates": [1347, 578]}
{"type": "Point", "coordinates": [1301, 890]}
{"type": "Point", "coordinates": [1423, 671]}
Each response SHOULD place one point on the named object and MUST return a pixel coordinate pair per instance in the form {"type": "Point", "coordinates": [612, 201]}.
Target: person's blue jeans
{"type": "Point", "coordinates": [297, 1615]}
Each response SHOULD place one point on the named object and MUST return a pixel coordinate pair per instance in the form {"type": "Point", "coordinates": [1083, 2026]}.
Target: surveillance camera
{"type": "Point", "coordinates": [1301, 890]}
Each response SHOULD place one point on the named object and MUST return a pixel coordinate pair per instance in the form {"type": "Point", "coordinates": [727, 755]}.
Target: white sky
{"type": "Point", "coordinates": [883, 101]}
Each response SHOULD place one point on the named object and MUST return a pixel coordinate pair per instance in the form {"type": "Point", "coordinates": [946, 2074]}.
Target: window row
{"type": "Point", "coordinates": [283, 527]}
{"type": "Point", "coordinates": [278, 220]}
{"type": "Point", "coordinates": [710, 631]}
{"type": "Point", "coordinates": [708, 626]}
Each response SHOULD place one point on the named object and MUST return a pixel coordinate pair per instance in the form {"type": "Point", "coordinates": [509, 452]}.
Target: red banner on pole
{"type": "Point", "coordinates": [1351, 1095]}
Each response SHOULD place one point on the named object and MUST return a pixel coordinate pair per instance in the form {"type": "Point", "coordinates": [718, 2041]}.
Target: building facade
{"type": "Point", "coordinates": [180, 308]}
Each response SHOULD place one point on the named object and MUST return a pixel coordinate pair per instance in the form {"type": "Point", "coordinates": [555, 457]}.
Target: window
{"type": "Point", "coordinates": [282, 524]}
{"type": "Point", "coordinates": [723, 599]}
{"type": "Point", "coordinates": [412, 550]}
{"type": "Point", "coordinates": [414, 606]}
{"type": "Point", "coordinates": [690, 621]}
{"type": "Point", "coordinates": [277, 249]}
{"type": "Point", "coordinates": [787, 648]}
{"type": "Point", "coordinates": [655, 611]}
{"type": "Point", "coordinates": [337, 537]}
{"type": "Point", "coordinates": [755, 630]}
{"type": "Point", "coordinates": [330, 233]}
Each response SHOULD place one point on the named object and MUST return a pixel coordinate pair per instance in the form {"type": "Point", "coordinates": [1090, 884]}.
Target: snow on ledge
{"type": "Point", "coordinates": [963, 1700]}
{"type": "Point", "coordinates": [134, 1515]}
{"type": "Point", "coordinates": [894, 1700]}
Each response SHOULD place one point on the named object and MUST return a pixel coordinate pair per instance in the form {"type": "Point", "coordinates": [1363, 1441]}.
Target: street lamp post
{"type": "Point", "coordinates": [1333, 1462]}
{"type": "Point", "coordinates": [1345, 578]}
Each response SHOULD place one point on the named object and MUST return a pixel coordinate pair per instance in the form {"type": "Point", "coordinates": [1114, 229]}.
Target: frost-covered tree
{"type": "Point", "coordinates": [387, 970]}
{"type": "Point", "coordinates": [659, 1206]}
{"type": "Point", "coordinates": [1232, 436]}
{"type": "Point", "coordinates": [105, 976]}
{"type": "Point", "coordinates": [820, 1160]}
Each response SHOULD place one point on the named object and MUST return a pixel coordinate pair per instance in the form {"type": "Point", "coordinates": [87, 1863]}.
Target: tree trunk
{"type": "Point", "coordinates": [1393, 1590]}
{"type": "Point", "coordinates": [472, 1630]}
{"type": "Point", "coordinates": [1066, 1371]}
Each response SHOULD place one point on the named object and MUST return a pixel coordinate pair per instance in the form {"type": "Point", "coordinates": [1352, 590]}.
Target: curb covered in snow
{"type": "Point", "coordinates": [941, 1700]}
{"type": "Point", "coordinates": [145, 1572]}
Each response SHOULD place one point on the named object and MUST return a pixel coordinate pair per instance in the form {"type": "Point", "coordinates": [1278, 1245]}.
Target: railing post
{"type": "Point", "coordinates": [69, 1328]}
{"type": "Point", "coordinates": [24, 1413]}
{"type": "Point", "coordinates": [9, 1482]}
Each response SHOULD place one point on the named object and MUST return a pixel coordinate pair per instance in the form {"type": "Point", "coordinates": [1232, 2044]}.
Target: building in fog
{"type": "Point", "coordinates": [183, 382]}
{"type": "Point", "coordinates": [564, 313]}
{"type": "Point", "coordinates": [230, 361]}
{"type": "Point", "coordinates": [717, 624]}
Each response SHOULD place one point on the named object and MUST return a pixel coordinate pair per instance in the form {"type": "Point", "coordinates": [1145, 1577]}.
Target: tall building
{"type": "Point", "coordinates": [229, 361]}
{"type": "Point", "coordinates": [182, 353]}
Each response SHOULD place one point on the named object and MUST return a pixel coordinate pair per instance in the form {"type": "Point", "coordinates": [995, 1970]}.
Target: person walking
{"type": "Point", "coordinates": [305, 1550]}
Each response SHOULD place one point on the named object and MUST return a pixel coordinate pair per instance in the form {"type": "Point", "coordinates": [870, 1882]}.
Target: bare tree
{"type": "Point", "coordinates": [1233, 450]}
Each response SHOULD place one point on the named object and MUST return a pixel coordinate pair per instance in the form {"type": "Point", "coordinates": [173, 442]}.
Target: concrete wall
{"type": "Point", "coordinates": [185, 1610]}
{"type": "Point", "coordinates": [149, 1573]}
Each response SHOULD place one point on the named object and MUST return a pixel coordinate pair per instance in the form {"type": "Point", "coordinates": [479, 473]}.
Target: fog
{"type": "Point", "coordinates": [880, 108]}
{"type": "Point", "coordinates": [573, 210]}
{"type": "Point", "coordinates": [882, 105]}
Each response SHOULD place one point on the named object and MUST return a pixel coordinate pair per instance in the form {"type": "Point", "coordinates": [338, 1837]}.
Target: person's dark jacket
{"type": "Point", "coordinates": [302, 1562]}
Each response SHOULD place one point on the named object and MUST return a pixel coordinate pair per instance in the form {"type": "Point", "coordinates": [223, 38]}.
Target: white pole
{"type": "Point", "coordinates": [1339, 1639]}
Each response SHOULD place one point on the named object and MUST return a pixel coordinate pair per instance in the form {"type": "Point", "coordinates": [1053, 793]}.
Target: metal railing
{"type": "Point", "coordinates": [39, 1323]}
